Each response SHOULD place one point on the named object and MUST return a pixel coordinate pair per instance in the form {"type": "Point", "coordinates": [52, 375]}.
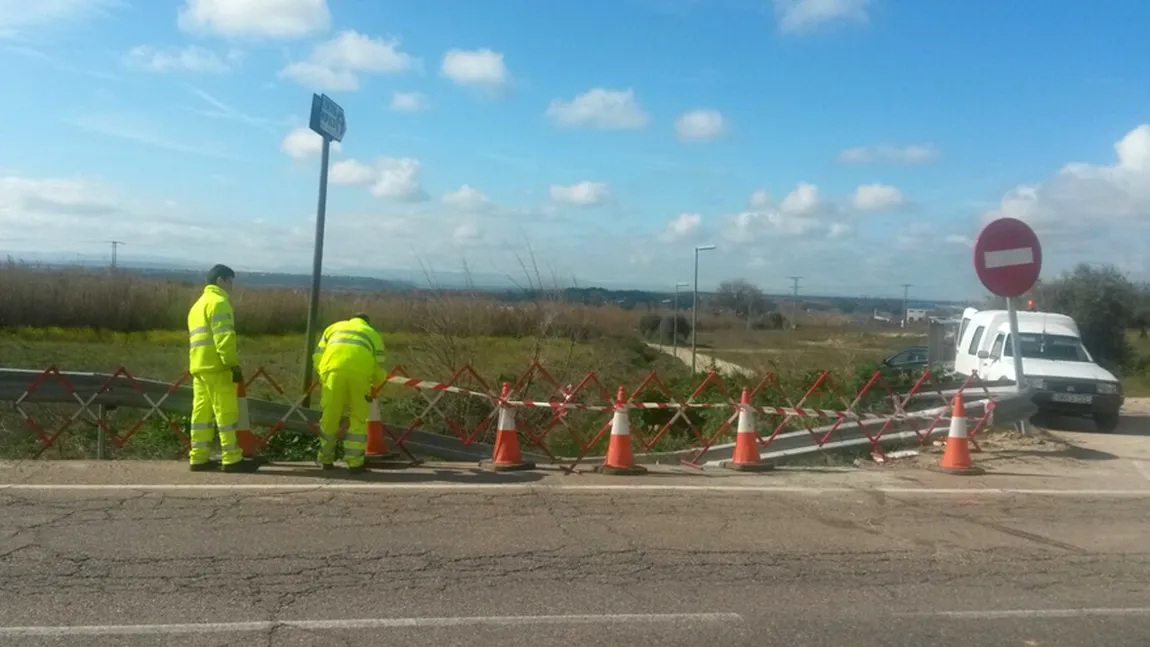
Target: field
{"type": "Point", "coordinates": [99, 321]}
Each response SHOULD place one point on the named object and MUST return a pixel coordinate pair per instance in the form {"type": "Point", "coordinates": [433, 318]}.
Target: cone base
{"type": "Point", "coordinates": [749, 467]}
{"type": "Point", "coordinates": [634, 470]}
{"type": "Point", "coordinates": [507, 467]}
{"type": "Point", "coordinates": [959, 471]}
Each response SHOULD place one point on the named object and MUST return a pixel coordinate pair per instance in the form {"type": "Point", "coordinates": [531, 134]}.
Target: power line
{"type": "Point", "coordinates": [794, 299]}
{"type": "Point", "coordinates": [115, 245]}
{"type": "Point", "coordinates": [906, 294]}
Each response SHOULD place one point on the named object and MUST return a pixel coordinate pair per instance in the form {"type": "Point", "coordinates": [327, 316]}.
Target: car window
{"type": "Point", "coordinates": [918, 355]}
{"type": "Point", "coordinates": [996, 349]}
{"type": "Point", "coordinates": [898, 358]}
{"type": "Point", "coordinates": [1043, 346]}
{"type": "Point", "coordinates": [973, 349]}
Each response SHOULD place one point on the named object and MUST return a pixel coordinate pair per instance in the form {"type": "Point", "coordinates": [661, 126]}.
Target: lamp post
{"type": "Point", "coordinates": [695, 303]}
{"type": "Point", "coordinates": [675, 320]}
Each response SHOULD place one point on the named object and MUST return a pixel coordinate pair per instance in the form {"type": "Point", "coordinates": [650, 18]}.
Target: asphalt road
{"type": "Point", "coordinates": [476, 565]}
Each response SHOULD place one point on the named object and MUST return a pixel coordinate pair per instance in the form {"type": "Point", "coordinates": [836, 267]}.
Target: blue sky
{"type": "Point", "coordinates": [860, 144]}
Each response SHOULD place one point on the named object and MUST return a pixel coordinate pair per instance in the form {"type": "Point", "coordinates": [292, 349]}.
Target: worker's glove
{"type": "Point", "coordinates": [368, 397]}
{"type": "Point", "coordinates": [237, 374]}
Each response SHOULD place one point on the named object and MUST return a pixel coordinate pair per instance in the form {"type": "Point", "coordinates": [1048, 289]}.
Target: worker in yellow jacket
{"type": "Point", "coordinates": [349, 359]}
{"type": "Point", "coordinates": [214, 363]}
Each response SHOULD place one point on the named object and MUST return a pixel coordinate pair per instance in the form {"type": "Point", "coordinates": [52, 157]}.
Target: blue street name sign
{"type": "Point", "coordinates": [327, 117]}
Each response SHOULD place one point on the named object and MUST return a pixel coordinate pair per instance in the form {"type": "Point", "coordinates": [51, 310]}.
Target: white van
{"type": "Point", "coordinates": [1066, 379]}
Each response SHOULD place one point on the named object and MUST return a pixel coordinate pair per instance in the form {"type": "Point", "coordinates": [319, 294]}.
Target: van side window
{"type": "Point", "coordinates": [962, 328]}
{"type": "Point", "coordinates": [973, 349]}
{"type": "Point", "coordinates": [996, 349]}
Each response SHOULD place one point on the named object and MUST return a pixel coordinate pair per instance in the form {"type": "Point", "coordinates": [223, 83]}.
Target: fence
{"type": "Point", "coordinates": [549, 415]}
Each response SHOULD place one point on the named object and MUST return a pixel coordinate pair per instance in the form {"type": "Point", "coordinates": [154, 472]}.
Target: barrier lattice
{"type": "Point", "coordinates": [573, 416]}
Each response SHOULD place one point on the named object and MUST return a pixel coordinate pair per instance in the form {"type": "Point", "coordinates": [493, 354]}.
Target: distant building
{"type": "Point", "coordinates": [915, 314]}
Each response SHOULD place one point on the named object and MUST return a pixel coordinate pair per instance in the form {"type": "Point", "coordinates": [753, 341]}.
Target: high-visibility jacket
{"type": "Point", "coordinates": [352, 347]}
{"type": "Point", "coordinates": [212, 333]}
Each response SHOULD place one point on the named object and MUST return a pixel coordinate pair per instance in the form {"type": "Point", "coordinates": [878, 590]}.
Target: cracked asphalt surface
{"type": "Point", "coordinates": [799, 568]}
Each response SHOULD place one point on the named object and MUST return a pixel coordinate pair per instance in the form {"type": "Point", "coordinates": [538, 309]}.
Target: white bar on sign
{"type": "Point", "coordinates": [1009, 257]}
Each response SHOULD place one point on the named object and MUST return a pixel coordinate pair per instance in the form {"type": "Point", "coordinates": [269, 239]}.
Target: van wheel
{"type": "Point", "coordinates": [1106, 422]}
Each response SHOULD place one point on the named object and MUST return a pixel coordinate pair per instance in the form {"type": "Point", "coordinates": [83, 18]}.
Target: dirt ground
{"type": "Point", "coordinates": [1070, 444]}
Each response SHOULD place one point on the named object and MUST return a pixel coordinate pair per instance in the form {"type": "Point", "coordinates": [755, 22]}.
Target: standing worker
{"type": "Point", "coordinates": [214, 363]}
{"type": "Point", "coordinates": [349, 360]}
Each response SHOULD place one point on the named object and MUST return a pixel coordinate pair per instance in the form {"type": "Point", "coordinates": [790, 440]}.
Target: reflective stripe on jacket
{"type": "Point", "coordinates": [354, 347]}
{"type": "Point", "coordinates": [212, 333]}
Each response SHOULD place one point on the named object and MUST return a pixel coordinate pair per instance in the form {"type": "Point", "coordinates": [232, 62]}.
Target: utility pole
{"type": "Point", "coordinates": [905, 303]}
{"type": "Point", "coordinates": [115, 244]}
{"type": "Point", "coordinates": [794, 300]}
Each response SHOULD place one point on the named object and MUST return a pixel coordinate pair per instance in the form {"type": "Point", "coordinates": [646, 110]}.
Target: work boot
{"type": "Point", "coordinates": [244, 466]}
{"type": "Point", "coordinates": [327, 466]}
{"type": "Point", "coordinates": [357, 469]}
{"type": "Point", "coordinates": [209, 466]}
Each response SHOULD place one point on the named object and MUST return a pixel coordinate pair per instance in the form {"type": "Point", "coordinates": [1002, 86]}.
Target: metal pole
{"type": "Point", "coordinates": [675, 324]}
{"type": "Point", "coordinates": [316, 271]}
{"type": "Point", "coordinates": [1016, 355]}
{"type": "Point", "coordinates": [695, 311]}
{"type": "Point", "coordinates": [102, 415]}
{"type": "Point", "coordinates": [905, 304]}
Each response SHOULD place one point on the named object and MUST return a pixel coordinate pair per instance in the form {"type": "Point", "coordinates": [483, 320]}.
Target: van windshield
{"type": "Point", "coordinates": [1062, 348]}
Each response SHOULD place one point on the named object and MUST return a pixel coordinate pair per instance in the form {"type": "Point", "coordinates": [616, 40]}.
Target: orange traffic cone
{"type": "Point", "coordinates": [956, 458]}
{"type": "Point", "coordinates": [244, 437]}
{"type": "Point", "coordinates": [377, 454]}
{"type": "Point", "coordinates": [507, 456]}
{"type": "Point", "coordinates": [746, 457]}
{"type": "Point", "coordinates": [620, 459]}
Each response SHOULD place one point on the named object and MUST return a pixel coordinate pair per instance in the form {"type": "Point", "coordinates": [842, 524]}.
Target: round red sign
{"type": "Point", "coordinates": [1008, 257]}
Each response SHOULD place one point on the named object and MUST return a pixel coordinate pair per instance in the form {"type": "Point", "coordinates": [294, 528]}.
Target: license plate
{"type": "Point", "coordinates": [1075, 398]}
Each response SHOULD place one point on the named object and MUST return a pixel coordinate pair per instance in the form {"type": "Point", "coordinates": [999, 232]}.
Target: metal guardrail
{"type": "Point", "coordinates": [1009, 408]}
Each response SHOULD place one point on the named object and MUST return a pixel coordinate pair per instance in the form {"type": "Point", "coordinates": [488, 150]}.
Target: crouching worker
{"type": "Point", "coordinates": [349, 359]}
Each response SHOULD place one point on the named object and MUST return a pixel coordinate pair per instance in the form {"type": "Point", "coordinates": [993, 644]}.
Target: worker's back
{"type": "Point", "coordinates": [352, 346]}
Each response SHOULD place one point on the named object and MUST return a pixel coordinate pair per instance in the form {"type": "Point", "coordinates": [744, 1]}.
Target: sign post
{"type": "Point", "coordinates": [328, 122]}
{"type": "Point", "coordinates": [1008, 260]}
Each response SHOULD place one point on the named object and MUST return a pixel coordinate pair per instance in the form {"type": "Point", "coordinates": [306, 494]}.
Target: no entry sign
{"type": "Point", "coordinates": [1008, 257]}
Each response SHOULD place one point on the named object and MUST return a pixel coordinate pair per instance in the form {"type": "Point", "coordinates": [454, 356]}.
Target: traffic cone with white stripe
{"type": "Point", "coordinates": [377, 454]}
{"type": "Point", "coordinates": [746, 456]}
{"type": "Point", "coordinates": [620, 457]}
{"type": "Point", "coordinates": [956, 457]}
{"type": "Point", "coordinates": [508, 457]}
{"type": "Point", "coordinates": [244, 437]}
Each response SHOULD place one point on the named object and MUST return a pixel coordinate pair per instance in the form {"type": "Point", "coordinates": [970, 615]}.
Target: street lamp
{"type": "Point", "coordinates": [675, 321]}
{"type": "Point", "coordinates": [695, 303]}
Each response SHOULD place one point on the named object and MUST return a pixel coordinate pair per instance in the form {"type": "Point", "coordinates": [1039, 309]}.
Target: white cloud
{"type": "Point", "coordinates": [351, 173]}
{"type": "Point", "coordinates": [838, 230]}
{"type": "Point", "coordinates": [480, 68]}
{"type": "Point", "coordinates": [599, 109]}
{"type": "Point", "coordinates": [189, 59]}
{"type": "Point", "coordinates": [700, 125]}
{"type": "Point", "coordinates": [466, 198]}
{"type": "Point", "coordinates": [255, 18]}
{"type": "Point", "coordinates": [466, 235]}
{"type": "Point", "coordinates": [877, 197]}
{"type": "Point", "coordinates": [408, 102]}
{"type": "Point", "coordinates": [683, 226]}
{"type": "Point", "coordinates": [802, 15]}
{"type": "Point", "coordinates": [395, 178]}
{"type": "Point", "coordinates": [803, 202]}
{"type": "Point", "coordinates": [303, 142]}
{"type": "Point", "coordinates": [910, 154]}
{"type": "Point", "coordinates": [17, 15]}
{"type": "Point", "coordinates": [58, 196]}
{"type": "Point", "coordinates": [1086, 195]}
{"type": "Point", "coordinates": [333, 65]}
{"type": "Point", "coordinates": [760, 199]}
{"type": "Point", "coordinates": [583, 194]}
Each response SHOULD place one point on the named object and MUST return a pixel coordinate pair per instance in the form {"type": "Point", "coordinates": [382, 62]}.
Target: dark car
{"type": "Point", "coordinates": [914, 357]}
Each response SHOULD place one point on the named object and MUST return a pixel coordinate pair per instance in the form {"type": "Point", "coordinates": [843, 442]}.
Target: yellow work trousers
{"type": "Point", "coordinates": [214, 401]}
{"type": "Point", "coordinates": [340, 391]}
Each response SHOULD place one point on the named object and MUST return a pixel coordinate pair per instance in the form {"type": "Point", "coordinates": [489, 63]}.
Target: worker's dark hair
{"type": "Point", "coordinates": [220, 272]}
{"type": "Point", "coordinates": [361, 315]}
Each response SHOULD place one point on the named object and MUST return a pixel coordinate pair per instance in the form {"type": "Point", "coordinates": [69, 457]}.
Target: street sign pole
{"type": "Point", "coordinates": [1008, 260]}
{"type": "Point", "coordinates": [327, 120]}
{"type": "Point", "coordinates": [316, 273]}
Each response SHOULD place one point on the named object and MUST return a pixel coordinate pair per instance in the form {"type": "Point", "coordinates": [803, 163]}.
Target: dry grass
{"type": "Point", "coordinates": [839, 350]}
